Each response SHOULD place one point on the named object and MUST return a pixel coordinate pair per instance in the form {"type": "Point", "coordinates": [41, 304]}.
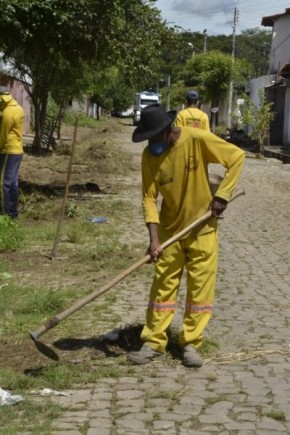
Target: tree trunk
{"type": "Point", "coordinates": [214, 119]}
{"type": "Point", "coordinates": [260, 151]}
{"type": "Point", "coordinates": [40, 108]}
{"type": "Point", "coordinates": [60, 114]}
{"type": "Point", "coordinates": [37, 135]}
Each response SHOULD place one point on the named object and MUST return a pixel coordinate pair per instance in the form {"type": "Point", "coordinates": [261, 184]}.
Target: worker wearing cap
{"type": "Point", "coordinates": [12, 119]}
{"type": "Point", "coordinates": [175, 166]}
{"type": "Point", "coordinates": [192, 116]}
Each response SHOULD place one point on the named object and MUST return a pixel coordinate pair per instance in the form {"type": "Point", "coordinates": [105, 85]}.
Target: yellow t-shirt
{"type": "Point", "coordinates": [192, 117]}
{"type": "Point", "coordinates": [11, 128]}
{"type": "Point", "coordinates": [180, 176]}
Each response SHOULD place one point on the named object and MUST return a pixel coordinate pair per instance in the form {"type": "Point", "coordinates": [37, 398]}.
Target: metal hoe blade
{"type": "Point", "coordinates": [44, 349]}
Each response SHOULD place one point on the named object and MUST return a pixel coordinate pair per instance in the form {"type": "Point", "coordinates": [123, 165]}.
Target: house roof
{"type": "Point", "coordinates": [269, 21]}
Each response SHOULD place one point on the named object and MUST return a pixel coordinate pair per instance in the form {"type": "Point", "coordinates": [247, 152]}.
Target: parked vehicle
{"type": "Point", "coordinates": [143, 99]}
{"type": "Point", "coordinates": [123, 113]}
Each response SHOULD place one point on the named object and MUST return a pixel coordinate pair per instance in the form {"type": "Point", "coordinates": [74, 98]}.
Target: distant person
{"type": "Point", "coordinates": [12, 118]}
{"type": "Point", "coordinates": [192, 116]}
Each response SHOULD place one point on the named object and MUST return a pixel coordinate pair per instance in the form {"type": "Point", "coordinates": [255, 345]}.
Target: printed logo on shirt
{"type": "Point", "coordinates": [192, 164]}
{"type": "Point", "coordinates": [164, 178]}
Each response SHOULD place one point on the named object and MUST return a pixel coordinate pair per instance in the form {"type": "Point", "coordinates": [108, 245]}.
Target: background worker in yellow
{"type": "Point", "coordinates": [12, 119]}
{"type": "Point", "coordinates": [192, 116]}
{"type": "Point", "coordinates": [175, 165]}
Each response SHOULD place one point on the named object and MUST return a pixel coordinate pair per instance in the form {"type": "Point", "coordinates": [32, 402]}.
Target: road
{"type": "Point", "coordinates": [245, 388]}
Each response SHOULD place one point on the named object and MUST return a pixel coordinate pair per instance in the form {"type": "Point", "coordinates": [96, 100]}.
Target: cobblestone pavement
{"type": "Point", "coordinates": [245, 389]}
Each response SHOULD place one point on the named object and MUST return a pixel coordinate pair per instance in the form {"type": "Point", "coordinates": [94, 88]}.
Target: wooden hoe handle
{"type": "Point", "coordinates": [89, 298]}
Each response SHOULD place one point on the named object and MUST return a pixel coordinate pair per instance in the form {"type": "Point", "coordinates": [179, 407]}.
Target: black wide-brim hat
{"type": "Point", "coordinates": [153, 120]}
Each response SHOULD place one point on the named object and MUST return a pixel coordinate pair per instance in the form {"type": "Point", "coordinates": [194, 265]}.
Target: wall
{"type": "Point", "coordinates": [85, 106]}
{"type": "Point", "coordinates": [253, 87]}
{"type": "Point", "coordinates": [286, 131]}
{"type": "Point", "coordinates": [280, 47]}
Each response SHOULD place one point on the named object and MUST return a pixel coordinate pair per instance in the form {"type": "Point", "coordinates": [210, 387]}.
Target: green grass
{"type": "Point", "coordinates": [172, 396]}
{"type": "Point", "coordinates": [208, 347]}
{"type": "Point", "coordinates": [93, 254]}
{"type": "Point", "coordinates": [216, 399]}
{"type": "Point", "coordinates": [34, 417]}
{"type": "Point", "coordinates": [11, 234]}
{"type": "Point", "coordinates": [24, 308]}
{"type": "Point", "coordinates": [276, 415]}
{"type": "Point", "coordinates": [85, 121]}
{"type": "Point", "coordinates": [19, 304]}
{"type": "Point", "coordinates": [60, 376]}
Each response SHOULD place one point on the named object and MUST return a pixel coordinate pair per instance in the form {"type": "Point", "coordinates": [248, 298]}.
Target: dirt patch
{"type": "Point", "coordinates": [97, 171]}
{"type": "Point", "coordinates": [22, 354]}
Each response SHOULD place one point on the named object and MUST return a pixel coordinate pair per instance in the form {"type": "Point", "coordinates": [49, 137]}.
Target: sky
{"type": "Point", "coordinates": [217, 16]}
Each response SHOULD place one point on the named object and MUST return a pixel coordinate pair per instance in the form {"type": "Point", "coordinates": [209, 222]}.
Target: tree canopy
{"type": "Point", "coordinates": [53, 42]}
{"type": "Point", "coordinates": [109, 49]}
{"type": "Point", "coordinates": [211, 73]}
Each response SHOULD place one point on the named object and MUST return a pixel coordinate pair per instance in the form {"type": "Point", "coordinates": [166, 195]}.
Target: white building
{"type": "Point", "coordinates": [278, 86]}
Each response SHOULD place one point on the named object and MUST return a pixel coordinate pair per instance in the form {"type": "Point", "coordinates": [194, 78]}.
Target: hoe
{"type": "Point", "coordinates": [35, 335]}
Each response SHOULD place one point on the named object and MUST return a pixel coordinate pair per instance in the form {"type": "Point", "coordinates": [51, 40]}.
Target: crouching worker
{"type": "Point", "coordinates": [175, 165]}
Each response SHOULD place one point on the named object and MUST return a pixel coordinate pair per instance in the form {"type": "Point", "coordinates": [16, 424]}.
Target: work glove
{"type": "Point", "coordinates": [218, 206]}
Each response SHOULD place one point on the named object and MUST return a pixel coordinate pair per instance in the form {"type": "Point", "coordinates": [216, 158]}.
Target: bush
{"type": "Point", "coordinates": [221, 131]}
{"type": "Point", "coordinates": [83, 120]}
{"type": "Point", "coordinates": [11, 234]}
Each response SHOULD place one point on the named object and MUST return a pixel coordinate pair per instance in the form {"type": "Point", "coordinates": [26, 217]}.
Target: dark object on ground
{"type": "Point", "coordinates": [239, 138]}
{"type": "Point", "coordinates": [57, 189]}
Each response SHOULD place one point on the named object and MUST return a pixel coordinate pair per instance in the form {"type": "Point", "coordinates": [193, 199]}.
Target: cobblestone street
{"type": "Point", "coordinates": [245, 388]}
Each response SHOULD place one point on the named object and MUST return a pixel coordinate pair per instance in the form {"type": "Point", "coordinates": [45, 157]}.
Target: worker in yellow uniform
{"type": "Point", "coordinates": [12, 119]}
{"type": "Point", "coordinates": [192, 116]}
{"type": "Point", "coordinates": [175, 165]}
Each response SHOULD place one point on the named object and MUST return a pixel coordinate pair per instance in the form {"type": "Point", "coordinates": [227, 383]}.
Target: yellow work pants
{"type": "Point", "coordinates": [199, 255]}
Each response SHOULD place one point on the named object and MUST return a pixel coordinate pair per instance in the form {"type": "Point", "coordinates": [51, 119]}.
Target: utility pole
{"type": "Point", "coordinates": [168, 93]}
{"type": "Point", "coordinates": [230, 102]}
{"type": "Point", "coordinates": [205, 41]}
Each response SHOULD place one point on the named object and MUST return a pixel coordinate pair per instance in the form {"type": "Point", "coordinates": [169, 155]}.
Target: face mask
{"type": "Point", "coordinates": [157, 148]}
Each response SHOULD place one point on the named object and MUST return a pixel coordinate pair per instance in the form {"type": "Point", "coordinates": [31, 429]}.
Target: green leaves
{"type": "Point", "coordinates": [62, 43]}
{"type": "Point", "coordinates": [212, 73]}
{"type": "Point", "coordinates": [258, 118]}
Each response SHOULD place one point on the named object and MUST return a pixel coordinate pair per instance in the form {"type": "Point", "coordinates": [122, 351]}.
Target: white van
{"type": "Point", "coordinates": [143, 99]}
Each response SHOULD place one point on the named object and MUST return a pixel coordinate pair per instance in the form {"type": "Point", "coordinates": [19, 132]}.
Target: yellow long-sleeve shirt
{"type": "Point", "coordinates": [11, 127]}
{"type": "Point", "coordinates": [180, 175]}
{"type": "Point", "coordinates": [192, 117]}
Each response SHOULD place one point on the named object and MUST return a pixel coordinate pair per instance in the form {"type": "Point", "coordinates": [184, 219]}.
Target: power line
{"type": "Point", "coordinates": [248, 9]}
{"type": "Point", "coordinates": [230, 101]}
